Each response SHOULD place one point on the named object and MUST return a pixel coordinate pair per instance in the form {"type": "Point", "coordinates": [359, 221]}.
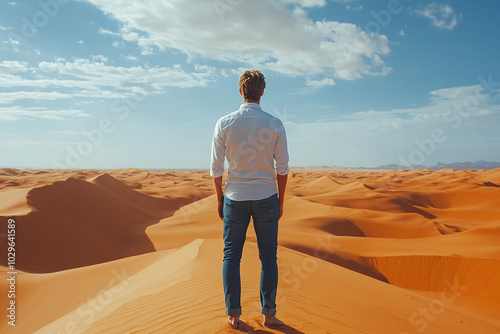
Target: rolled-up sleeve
{"type": "Point", "coordinates": [281, 150]}
{"type": "Point", "coordinates": [218, 153]}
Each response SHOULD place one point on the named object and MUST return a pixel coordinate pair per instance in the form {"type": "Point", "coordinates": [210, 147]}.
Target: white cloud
{"type": "Point", "coordinates": [4, 28]}
{"type": "Point", "coordinates": [85, 80]}
{"type": "Point", "coordinates": [441, 16]}
{"type": "Point", "coordinates": [13, 66]}
{"type": "Point", "coordinates": [108, 32]}
{"type": "Point", "coordinates": [464, 101]}
{"type": "Point", "coordinates": [95, 74]}
{"type": "Point", "coordinates": [13, 43]}
{"type": "Point", "coordinates": [282, 39]}
{"type": "Point", "coordinates": [306, 3]}
{"type": "Point", "coordinates": [79, 42]}
{"type": "Point", "coordinates": [9, 97]}
{"type": "Point", "coordinates": [118, 44]}
{"type": "Point", "coordinates": [99, 58]}
{"type": "Point", "coordinates": [402, 33]}
{"type": "Point", "coordinates": [11, 3]}
{"type": "Point", "coordinates": [18, 113]}
{"type": "Point", "coordinates": [320, 83]}
{"type": "Point", "coordinates": [98, 74]}
{"type": "Point", "coordinates": [15, 81]}
{"type": "Point", "coordinates": [458, 114]}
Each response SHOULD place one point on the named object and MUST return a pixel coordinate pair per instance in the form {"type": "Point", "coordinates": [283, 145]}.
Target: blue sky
{"type": "Point", "coordinates": [117, 84]}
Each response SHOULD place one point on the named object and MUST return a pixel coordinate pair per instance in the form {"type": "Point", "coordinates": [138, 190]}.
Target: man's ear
{"type": "Point", "coordinates": [241, 92]}
{"type": "Point", "coordinates": [262, 93]}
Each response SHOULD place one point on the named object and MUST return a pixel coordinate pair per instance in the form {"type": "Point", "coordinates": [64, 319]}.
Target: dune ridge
{"type": "Point", "coordinates": [136, 251]}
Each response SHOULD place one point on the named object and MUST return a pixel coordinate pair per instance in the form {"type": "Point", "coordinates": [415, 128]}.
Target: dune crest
{"type": "Point", "coordinates": [76, 223]}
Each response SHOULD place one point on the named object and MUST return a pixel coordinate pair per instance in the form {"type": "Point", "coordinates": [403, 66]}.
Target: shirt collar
{"type": "Point", "coordinates": [250, 105]}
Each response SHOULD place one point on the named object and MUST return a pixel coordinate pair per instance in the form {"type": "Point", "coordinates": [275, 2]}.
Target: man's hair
{"type": "Point", "coordinates": [252, 83]}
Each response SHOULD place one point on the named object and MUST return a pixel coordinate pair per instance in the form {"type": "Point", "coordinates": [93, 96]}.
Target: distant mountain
{"type": "Point", "coordinates": [481, 164]}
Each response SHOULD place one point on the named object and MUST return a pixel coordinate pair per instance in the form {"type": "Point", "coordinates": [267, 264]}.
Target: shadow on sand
{"type": "Point", "coordinates": [282, 329]}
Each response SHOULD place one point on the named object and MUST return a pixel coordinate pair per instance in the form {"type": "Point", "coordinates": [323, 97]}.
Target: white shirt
{"type": "Point", "coordinates": [252, 141]}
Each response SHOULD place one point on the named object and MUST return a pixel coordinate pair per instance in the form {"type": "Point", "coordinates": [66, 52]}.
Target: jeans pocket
{"type": "Point", "coordinates": [231, 211]}
{"type": "Point", "coordinates": [270, 211]}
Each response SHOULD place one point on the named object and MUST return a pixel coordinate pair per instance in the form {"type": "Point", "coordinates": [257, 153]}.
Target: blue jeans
{"type": "Point", "coordinates": [237, 215]}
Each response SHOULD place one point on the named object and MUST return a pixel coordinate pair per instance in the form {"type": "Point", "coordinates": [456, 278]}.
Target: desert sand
{"type": "Point", "coordinates": [136, 251]}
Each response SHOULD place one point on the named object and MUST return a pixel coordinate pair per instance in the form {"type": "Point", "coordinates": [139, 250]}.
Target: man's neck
{"type": "Point", "coordinates": [251, 101]}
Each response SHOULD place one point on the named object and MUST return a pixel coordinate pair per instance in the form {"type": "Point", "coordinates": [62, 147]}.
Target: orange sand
{"type": "Point", "coordinates": [133, 251]}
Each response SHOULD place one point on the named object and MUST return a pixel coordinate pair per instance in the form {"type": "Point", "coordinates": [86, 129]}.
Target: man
{"type": "Point", "coordinates": [252, 141]}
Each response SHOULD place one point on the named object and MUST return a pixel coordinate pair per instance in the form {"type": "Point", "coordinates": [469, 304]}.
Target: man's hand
{"type": "Point", "coordinates": [220, 208]}
{"type": "Point", "coordinates": [219, 195]}
{"type": "Point", "coordinates": [282, 179]}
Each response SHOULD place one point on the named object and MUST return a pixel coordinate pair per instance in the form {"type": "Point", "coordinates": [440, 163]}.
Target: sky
{"type": "Point", "coordinates": [115, 84]}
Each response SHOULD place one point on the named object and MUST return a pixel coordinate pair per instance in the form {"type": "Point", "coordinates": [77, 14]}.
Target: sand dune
{"type": "Point", "coordinates": [134, 251]}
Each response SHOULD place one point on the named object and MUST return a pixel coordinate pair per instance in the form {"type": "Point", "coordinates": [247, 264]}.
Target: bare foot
{"type": "Point", "coordinates": [272, 321]}
{"type": "Point", "coordinates": [239, 325]}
